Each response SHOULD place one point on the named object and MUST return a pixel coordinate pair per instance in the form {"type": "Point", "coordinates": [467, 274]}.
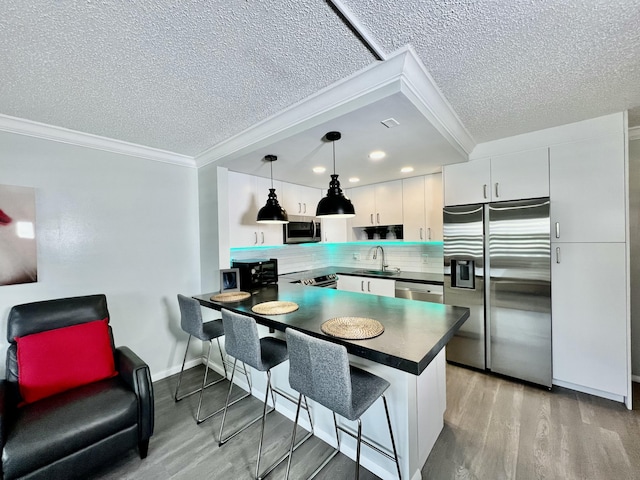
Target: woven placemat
{"type": "Point", "coordinates": [352, 328]}
{"type": "Point", "coordinates": [275, 308]}
{"type": "Point", "coordinates": [230, 296]}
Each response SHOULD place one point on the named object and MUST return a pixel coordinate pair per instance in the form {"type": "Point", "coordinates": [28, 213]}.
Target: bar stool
{"type": "Point", "coordinates": [191, 322]}
{"type": "Point", "coordinates": [244, 344]}
{"type": "Point", "coordinates": [320, 370]}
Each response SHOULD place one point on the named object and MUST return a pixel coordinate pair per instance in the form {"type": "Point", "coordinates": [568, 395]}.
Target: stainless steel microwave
{"type": "Point", "coordinates": [301, 231]}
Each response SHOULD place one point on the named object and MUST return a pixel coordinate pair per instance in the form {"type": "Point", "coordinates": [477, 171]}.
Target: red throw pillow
{"type": "Point", "coordinates": [57, 360]}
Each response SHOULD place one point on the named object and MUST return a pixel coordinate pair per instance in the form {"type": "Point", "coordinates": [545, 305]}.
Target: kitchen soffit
{"type": "Point", "coordinates": [428, 136]}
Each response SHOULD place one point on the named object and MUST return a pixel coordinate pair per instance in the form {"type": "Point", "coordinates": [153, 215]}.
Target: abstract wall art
{"type": "Point", "coordinates": [18, 256]}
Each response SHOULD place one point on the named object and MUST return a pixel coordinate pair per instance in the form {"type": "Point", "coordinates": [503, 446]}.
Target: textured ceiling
{"type": "Point", "coordinates": [181, 76]}
{"type": "Point", "coordinates": [184, 76]}
{"type": "Point", "coordinates": [520, 65]}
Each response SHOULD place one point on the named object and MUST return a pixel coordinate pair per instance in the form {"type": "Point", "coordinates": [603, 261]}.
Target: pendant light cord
{"type": "Point", "coordinates": [333, 143]}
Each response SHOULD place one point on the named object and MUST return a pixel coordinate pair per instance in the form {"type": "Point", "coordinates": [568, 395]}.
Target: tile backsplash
{"type": "Point", "coordinates": [410, 256]}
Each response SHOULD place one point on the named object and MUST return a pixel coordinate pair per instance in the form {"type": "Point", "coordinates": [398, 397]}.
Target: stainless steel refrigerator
{"type": "Point", "coordinates": [497, 262]}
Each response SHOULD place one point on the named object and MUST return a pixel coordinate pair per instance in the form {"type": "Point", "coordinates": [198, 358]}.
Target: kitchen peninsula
{"type": "Point", "coordinates": [409, 354]}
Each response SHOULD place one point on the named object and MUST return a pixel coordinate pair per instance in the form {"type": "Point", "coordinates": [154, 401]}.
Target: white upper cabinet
{"type": "Point", "coordinates": [299, 199]}
{"type": "Point", "coordinates": [364, 203]}
{"type": "Point", "coordinates": [588, 191]}
{"type": "Point", "coordinates": [247, 195]}
{"type": "Point", "coordinates": [520, 175]}
{"type": "Point", "coordinates": [334, 230]}
{"type": "Point", "coordinates": [466, 183]}
{"type": "Point", "coordinates": [505, 177]}
{"type": "Point", "coordinates": [422, 208]}
{"type": "Point", "coordinates": [379, 204]}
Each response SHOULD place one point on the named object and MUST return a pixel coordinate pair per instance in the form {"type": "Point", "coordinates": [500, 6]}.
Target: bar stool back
{"type": "Point", "coordinates": [191, 322]}
{"type": "Point", "coordinates": [320, 370]}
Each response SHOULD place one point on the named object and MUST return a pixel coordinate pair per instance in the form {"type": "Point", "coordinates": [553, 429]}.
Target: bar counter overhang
{"type": "Point", "coordinates": [409, 354]}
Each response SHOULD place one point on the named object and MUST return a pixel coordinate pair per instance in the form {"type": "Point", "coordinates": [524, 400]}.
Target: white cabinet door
{"type": "Point", "coordinates": [466, 183]}
{"type": "Point", "coordinates": [388, 201]}
{"type": "Point", "coordinates": [422, 208]}
{"type": "Point", "coordinates": [334, 230]}
{"type": "Point", "coordinates": [299, 199]}
{"type": "Point", "coordinates": [520, 175]}
{"type": "Point", "coordinates": [364, 203]}
{"type": "Point", "coordinates": [243, 208]}
{"type": "Point", "coordinates": [371, 286]}
{"type": "Point", "coordinates": [413, 209]}
{"type": "Point", "coordinates": [247, 195]}
{"type": "Point", "coordinates": [433, 207]}
{"type": "Point", "coordinates": [268, 234]}
{"type": "Point", "coordinates": [588, 191]}
{"type": "Point", "coordinates": [589, 315]}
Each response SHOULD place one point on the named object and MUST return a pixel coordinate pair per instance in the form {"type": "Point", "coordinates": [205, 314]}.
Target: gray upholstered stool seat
{"type": "Point", "coordinates": [191, 322]}
{"type": "Point", "coordinates": [243, 343]}
{"type": "Point", "coordinates": [320, 370]}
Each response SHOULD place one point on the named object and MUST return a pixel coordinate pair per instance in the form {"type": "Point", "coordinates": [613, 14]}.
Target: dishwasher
{"type": "Point", "coordinates": [424, 292]}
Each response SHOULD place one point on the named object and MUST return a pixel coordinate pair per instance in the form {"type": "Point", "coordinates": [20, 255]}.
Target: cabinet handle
{"type": "Point", "coordinates": [421, 233]}
{"type": "Point", "coordinates": [557, 229]}
{"type": "Point", "coordinates": [368, 286]}
{"type": "Point", "coordinates": [372, 219]}
{"type": "Point", "coordinates": [299, 207]}
{"type": "Point", "coordinates": [557, 254]}
{"type": "Point", "coordinates": [362, 285]}
{"type": "Point", "coordinates": [429, 233]}
{"type": "Point", "coordinates": [305, 208]}
{"type": "Point", "coordinates": [484, 190]}
{"type": "Point", "coordinates": [378, 218]}
{"type": "Point", "coordinates": [497, 191]}
{"type": "Point", "coordinates": [262, 235]}
{"type": "Point", "coordinates": [256, 239]}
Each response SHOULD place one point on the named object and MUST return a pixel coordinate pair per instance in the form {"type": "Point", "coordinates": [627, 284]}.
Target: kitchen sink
{"type": "Point", "coordinates": [385, 273]}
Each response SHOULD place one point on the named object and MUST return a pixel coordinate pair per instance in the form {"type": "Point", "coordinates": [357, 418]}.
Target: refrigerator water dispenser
{"type": "Point", "coordinates": [463, 274]}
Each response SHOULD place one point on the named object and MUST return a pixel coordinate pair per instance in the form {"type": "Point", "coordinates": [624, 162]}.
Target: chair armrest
{"type": "Point", "coordinates": [136, 374]}
{"type": "Point", "coordinates": [3, 411]}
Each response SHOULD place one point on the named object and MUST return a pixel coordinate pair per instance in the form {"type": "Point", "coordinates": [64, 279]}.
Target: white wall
{"type": "Point", "coordinates": [634, 238]}
{"type": "Point", "coordinates": [114, 224]}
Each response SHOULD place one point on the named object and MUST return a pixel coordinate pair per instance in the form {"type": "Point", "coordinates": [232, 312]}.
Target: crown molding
{"type": "Point", "coordinates": [401, 72]}
{"type": "Point", "coordinates": [73, 137]}
{"type": "Point", "coordinates": [634, 133]}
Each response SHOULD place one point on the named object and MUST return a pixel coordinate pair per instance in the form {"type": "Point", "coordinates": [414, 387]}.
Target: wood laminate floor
{"type": "Point", "coordinates": [494, 429]}
{"type": "Point", "coordinates": [181, 450]}
{"type": "Point", "coordinates": [500, 429]}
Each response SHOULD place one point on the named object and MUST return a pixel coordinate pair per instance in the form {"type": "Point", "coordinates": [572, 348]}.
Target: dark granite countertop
{"type": "Point", "coordinates": [415, 277]}
{"type": "Point", "coordinates": [414, 331]}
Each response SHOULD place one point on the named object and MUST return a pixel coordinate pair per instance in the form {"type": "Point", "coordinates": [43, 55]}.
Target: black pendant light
{"type": "Point", "coordinates": [335, 204]}
{"type": "Point", "coordinates": [272, 212]}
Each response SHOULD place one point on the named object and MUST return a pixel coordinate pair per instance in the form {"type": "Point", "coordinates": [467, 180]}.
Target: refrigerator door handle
{"type": "Point", "coordinates": [497, 192]}
{"type": "Point", "coordinates": [557, 229]}
{"type": "Point", "coordinates": [557, 254]}
{"type": "Point", "coordinates": [484, 190]}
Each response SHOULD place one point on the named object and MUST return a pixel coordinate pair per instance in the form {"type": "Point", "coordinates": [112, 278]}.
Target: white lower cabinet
{"type": "Point", "coordinates": [373, 286]}
{"type": "Point", "coordinates": [589, 316]}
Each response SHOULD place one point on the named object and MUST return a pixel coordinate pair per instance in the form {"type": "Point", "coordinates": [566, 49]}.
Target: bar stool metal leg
{"type": "Point", "coordinates": [204, 385]}
{"type": "Point", "coordinates": [393, 442]}
{"type": "Point", "coordinates": [221, 439]}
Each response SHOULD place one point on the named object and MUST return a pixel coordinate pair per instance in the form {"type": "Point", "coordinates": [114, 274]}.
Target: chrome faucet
{"type": "Point", "coordinates": [375, 255]}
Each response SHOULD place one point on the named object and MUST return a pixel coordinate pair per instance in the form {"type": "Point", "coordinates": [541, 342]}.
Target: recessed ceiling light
{"type": "Point", "coordinates": [354, 179]}
{"type": "Point", "coordinates": [377, 155]}
{"type": "Point", "coordinates": [319, 169]}
{"type": "Point", "coordinates": [406, 169]}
